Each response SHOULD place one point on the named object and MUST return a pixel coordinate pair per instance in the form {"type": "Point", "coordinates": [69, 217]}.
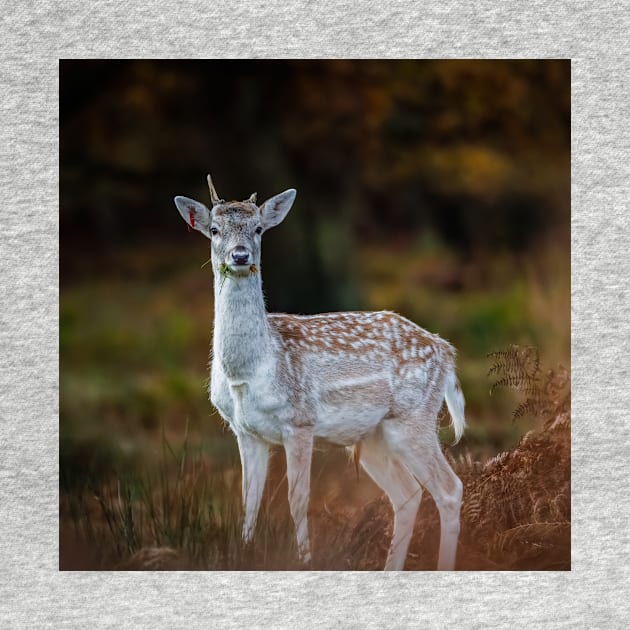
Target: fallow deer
{"type": "Point", "coordinates": [370, 380]}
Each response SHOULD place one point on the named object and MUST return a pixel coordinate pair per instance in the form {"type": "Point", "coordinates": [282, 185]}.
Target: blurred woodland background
{"type": "Point", "coordinates": [438, 189]}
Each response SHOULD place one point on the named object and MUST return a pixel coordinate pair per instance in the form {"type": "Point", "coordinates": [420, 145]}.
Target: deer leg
{"type": "Point", "coordinates": [298, 446]}
{"type": "Point", "coordinates": [254, 460]}
{"type": "Point", "coordinates": [447, 490]}
{"type": "Point", "coordinates": [427, 463]}
{"type": "Point", "coordinates": [403, 491]}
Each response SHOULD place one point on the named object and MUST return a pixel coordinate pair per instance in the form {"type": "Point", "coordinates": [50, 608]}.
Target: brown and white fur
{"type": "Point", "coordinates": [370, 380]}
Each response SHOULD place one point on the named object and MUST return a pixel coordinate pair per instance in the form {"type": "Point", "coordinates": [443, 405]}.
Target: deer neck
{"type": "Point", "coordinates": [242, 336]}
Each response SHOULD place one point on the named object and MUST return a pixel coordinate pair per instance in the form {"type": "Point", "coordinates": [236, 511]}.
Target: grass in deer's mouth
{"type": "Point", "coordinates": [226, 272]}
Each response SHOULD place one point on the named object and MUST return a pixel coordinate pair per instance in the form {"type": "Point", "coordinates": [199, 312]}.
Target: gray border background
{"type": "Point", "coordinates": [33, 593]}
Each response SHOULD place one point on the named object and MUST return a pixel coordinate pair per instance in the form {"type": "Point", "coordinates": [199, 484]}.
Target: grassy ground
{"type": "Point", "coordinates": [144, 461]}
{"type": "Point", "coordinates": [515, 515]}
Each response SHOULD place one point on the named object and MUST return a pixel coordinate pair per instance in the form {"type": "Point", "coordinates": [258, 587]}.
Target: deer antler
{"type": "Point", "coordinates": [214, 198]}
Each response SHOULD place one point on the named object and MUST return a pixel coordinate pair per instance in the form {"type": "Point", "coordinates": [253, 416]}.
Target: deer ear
{"type": "Point", "coordinates": [195, 214]}
{"type": "Point", "coordinates": [275, 209]}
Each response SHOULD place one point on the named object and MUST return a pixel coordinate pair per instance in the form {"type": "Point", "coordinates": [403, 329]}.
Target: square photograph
{"type": "Point", "coordinates": [315, 315]}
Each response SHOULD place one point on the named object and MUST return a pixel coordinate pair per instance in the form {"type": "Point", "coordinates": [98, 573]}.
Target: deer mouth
{"type": "Point", "coordinates": [244, 270]}
{"type": "Point", "coordinates": [233, 270]}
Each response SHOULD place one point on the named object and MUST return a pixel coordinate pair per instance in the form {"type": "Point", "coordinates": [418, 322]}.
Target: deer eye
{"type": "Point", "coordinates": [259, 230]}
{"type": "Point", "coordinates": [214, 231]}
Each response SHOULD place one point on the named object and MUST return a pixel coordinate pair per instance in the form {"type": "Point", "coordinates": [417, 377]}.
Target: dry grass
{"type": "Point", "coordinates": [515, 516]}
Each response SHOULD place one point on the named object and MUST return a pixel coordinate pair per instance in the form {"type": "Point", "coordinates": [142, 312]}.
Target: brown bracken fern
{"type": "Point", "coordinates": [518, 368]}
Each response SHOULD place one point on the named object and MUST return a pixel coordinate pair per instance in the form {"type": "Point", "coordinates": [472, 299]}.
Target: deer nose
{"type": "Point", "coordinates": [240, 256]}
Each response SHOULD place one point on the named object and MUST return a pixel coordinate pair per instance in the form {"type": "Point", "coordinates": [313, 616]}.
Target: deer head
{"type": "Point", "coordinates": [235, 228]}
